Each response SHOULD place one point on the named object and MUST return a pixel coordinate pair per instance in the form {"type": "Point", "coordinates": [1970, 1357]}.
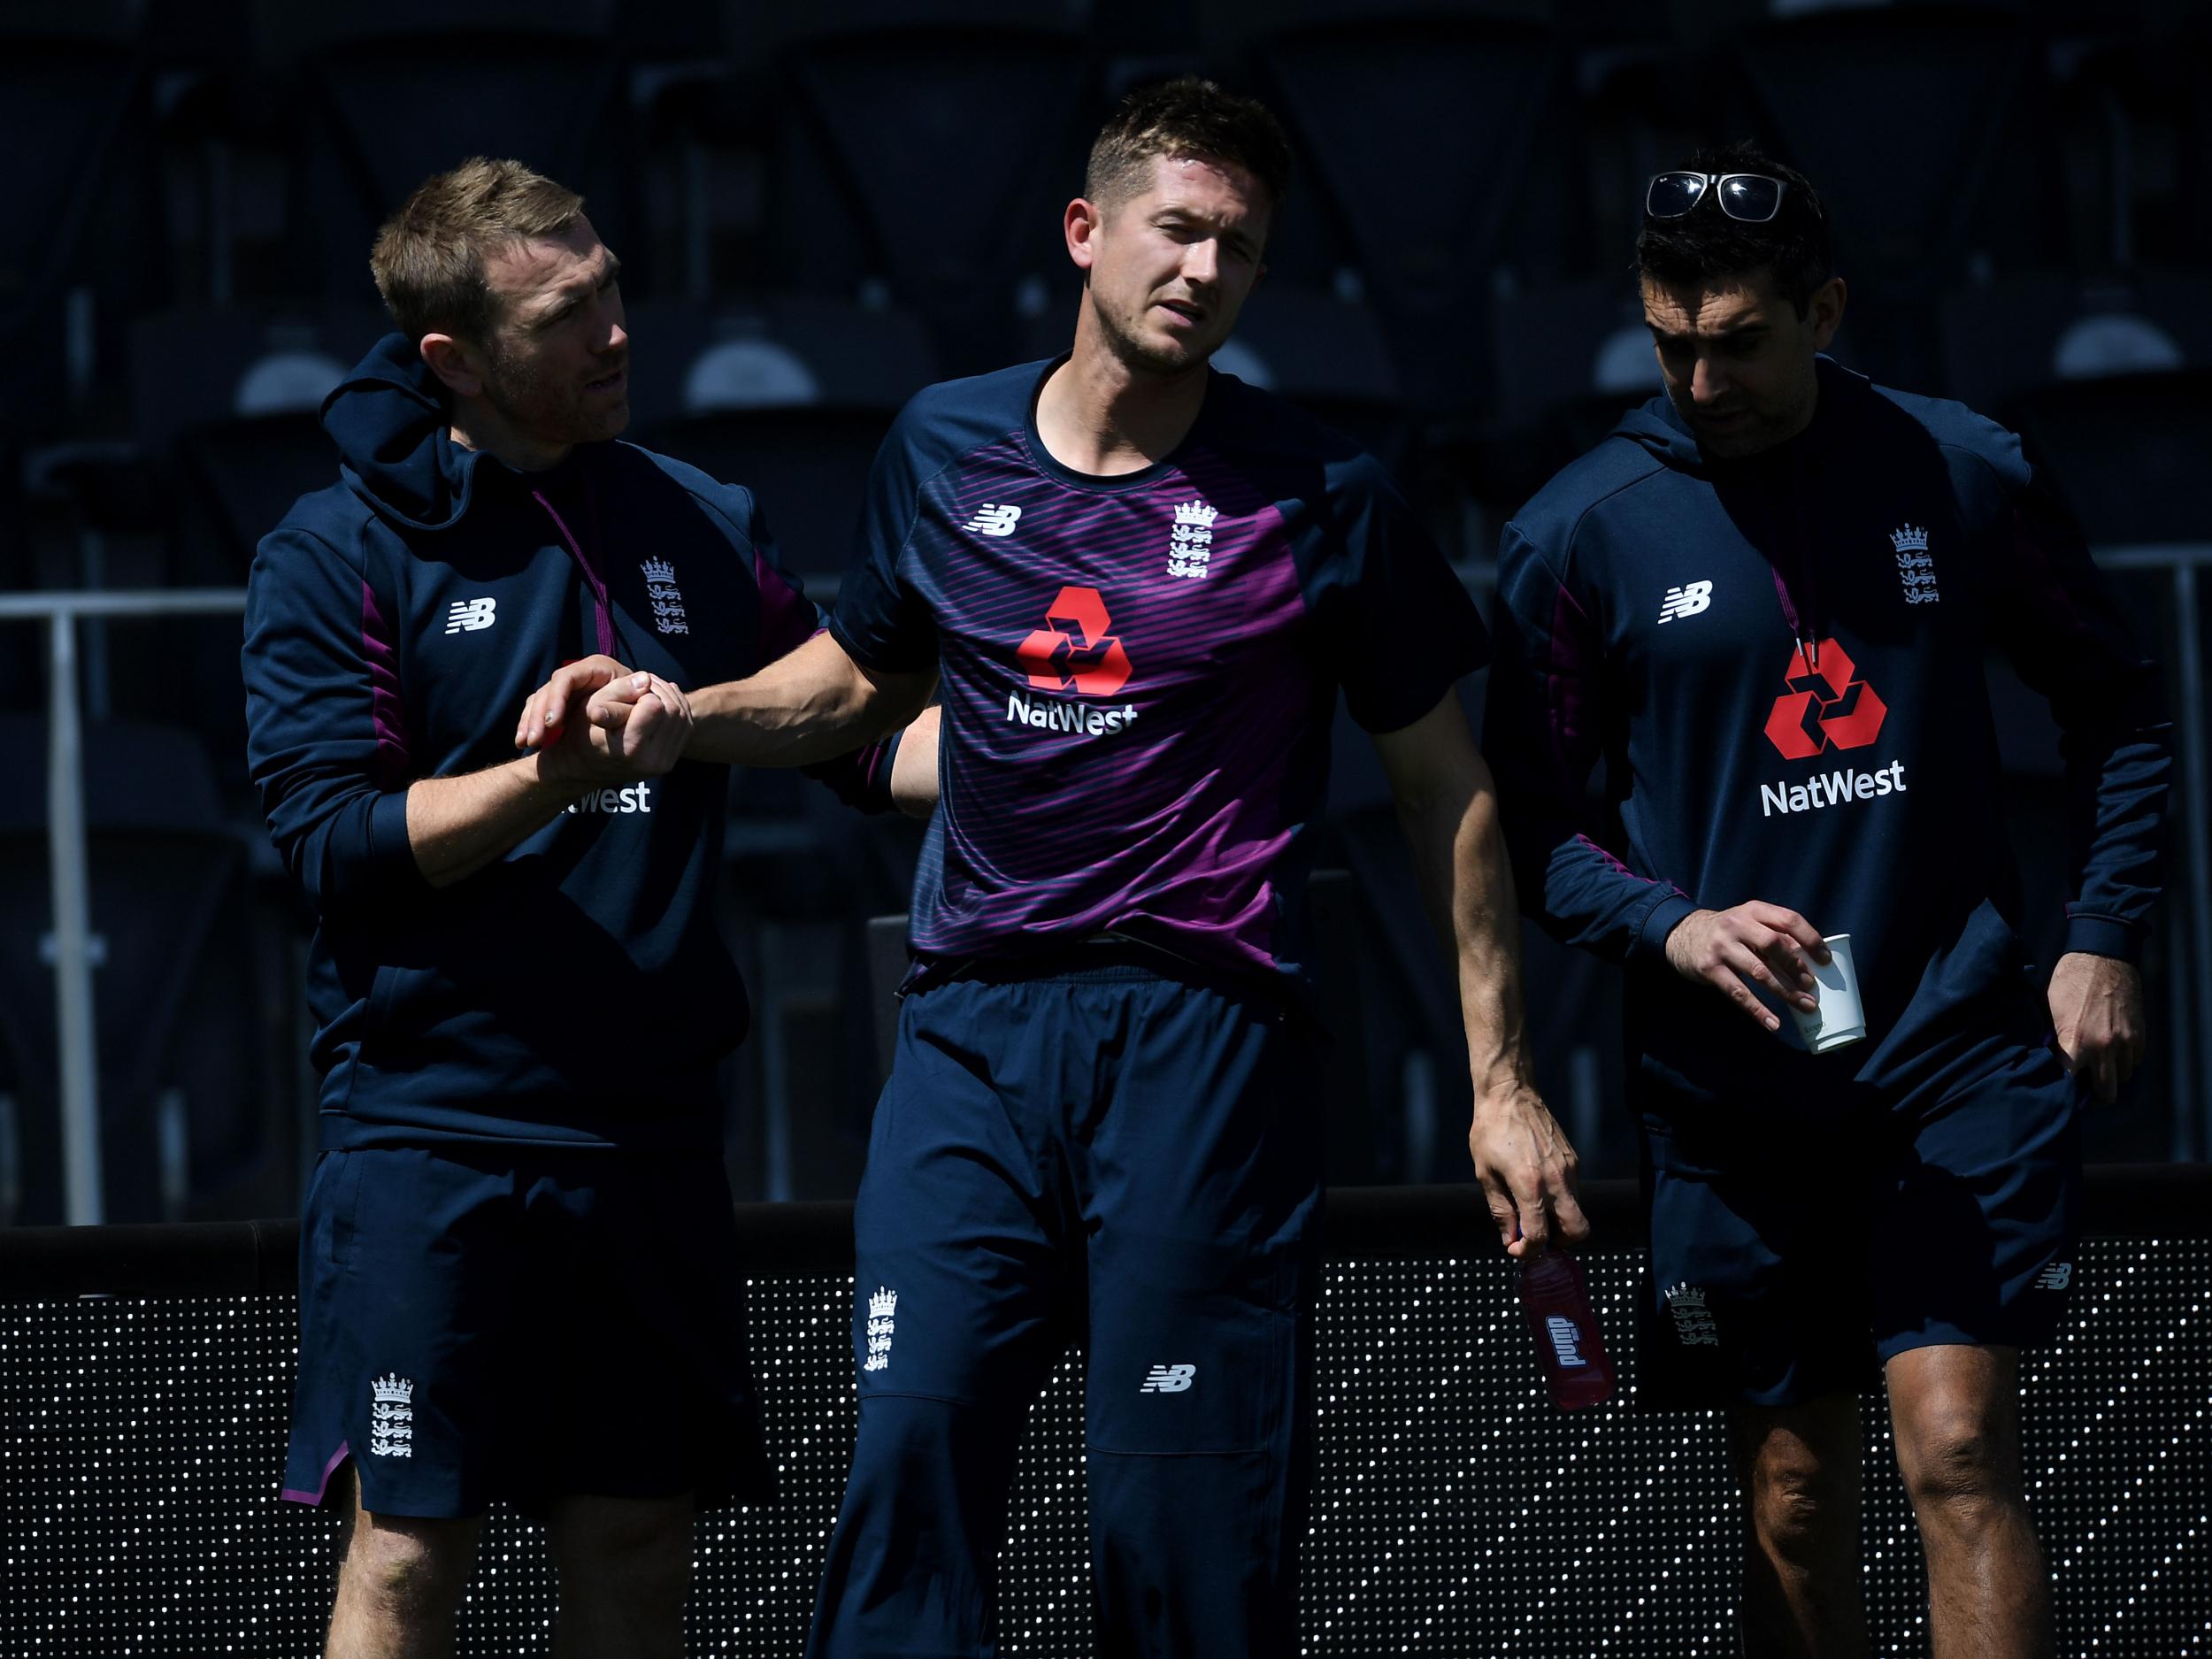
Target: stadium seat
{"type": "Point", "coordinates": [395, 93]}
{"type": "Point", "coordinates": [2127, 453]}
{"type": "Point", "coordinates": [2003, 338]}
{"type": "Point", "coordinates": [74, 108]}
{"type": "Point", "coordinates": [189, 1126]}
{"type": "Point", "coordinates": [1429, 224]}
{"type": "Point", "coordinates": [1927, 131]}
{"type": "Point", "coordinates": [790, 398]}
{"type": "Point", "coordinates": [926, 154]}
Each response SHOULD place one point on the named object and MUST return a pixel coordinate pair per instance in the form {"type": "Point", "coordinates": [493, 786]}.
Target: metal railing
{"type": "Point", "coordinates": [78, 1051]}
{"type": "Point", "coordinates": [2189, 1016]}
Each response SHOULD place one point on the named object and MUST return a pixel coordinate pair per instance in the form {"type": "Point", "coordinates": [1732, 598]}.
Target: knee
{"type": "Point", "coordinates": [410, 1571]}
{"type": "Point", "coordinates": [1803, 1503]}
{"type": "Point", "coordinates": [1957, 1459]}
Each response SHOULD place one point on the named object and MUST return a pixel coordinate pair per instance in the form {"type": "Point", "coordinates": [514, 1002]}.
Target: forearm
{"type": "Point", "coordinates": [914, 768]}
{"type": "Point", "coordinates": [457, 826]}
{"type": "Point", "coordinates": [1467, 886]}
{"type": "Point", "coordinates": [811, 705]}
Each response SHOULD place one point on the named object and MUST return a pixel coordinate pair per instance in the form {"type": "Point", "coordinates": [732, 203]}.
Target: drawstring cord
{"type": "Point", "coordinates": [583, 562]}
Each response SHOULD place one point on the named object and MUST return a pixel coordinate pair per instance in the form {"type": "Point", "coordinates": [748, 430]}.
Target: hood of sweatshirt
{"type": "Point", "coordinates": [1766, 493]}
{"type": "Point", "coordinates": [390, 420]}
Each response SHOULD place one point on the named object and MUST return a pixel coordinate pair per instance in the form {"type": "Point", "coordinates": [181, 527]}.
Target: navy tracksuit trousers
{"type": "Point", "coordinates": [1106, 1156]}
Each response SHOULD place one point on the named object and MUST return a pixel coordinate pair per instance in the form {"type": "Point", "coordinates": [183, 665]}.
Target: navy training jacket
{"type": "Point", "coordinates": [1780, 661]}
{"type": "Point", "coordinates": [576, 991]}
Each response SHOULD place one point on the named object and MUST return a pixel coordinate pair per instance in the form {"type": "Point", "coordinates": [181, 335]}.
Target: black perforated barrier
{"type": "Point", "coordinates": [1456, 1513]}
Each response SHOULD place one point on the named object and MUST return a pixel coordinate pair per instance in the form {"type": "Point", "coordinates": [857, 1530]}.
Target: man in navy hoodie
{"type": "Point", "coordinates": [1763, 602]}
{"type": "Point", "coordinates": [518, 1276]}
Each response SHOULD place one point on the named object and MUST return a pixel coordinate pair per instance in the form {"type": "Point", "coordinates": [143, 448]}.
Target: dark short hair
{"type": "Point", "coordinates": [1190, 117]}
{"type": "Point", "coordinates": [1793, 248]}
{"type": "Point", "coordinates": [428, 260]}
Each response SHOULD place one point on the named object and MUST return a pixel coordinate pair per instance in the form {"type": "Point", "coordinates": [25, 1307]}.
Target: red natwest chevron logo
{"type": "Point", "coordinates": [1073, 651]}
{"type": "Point", "coordinates": [1828, 706]}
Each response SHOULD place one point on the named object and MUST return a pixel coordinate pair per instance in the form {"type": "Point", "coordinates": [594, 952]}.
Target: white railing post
{"type": "Point", "coordinates": [72, 927]}
{"type": "Point", "coordinates": [75, 1028]}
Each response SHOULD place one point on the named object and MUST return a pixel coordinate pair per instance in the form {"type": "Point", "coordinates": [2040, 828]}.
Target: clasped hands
{"type": "Point", "coordinates": [597, 721]}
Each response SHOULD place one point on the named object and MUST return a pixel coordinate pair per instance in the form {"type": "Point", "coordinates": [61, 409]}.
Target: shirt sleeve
{"type": "Point", "coordinates": [1545, 725]}
{"type": "Point", "coordinates": [788, 619]}
{"type": "Point", "coordinates": [2055, 617]}
{"type": "Point", "coordinates": [880, 621]}
{"type": "Point", "coordinates": [1400, 627]}
{"type": "Point", "coordinates": [326, 738]}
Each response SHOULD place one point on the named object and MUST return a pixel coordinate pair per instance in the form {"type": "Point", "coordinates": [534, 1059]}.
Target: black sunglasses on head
{"type": "Point", "coordinates": [1752, 197]}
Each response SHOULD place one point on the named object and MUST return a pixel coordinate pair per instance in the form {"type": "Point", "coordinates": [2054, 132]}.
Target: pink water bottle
{"type": "Point", "coordinates": [1567, 1344]}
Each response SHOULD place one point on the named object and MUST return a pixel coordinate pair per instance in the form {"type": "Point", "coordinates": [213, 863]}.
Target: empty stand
{"type": "Point", "coordinates": [74, 106]}
{"type": "Point", "coordinates": [930, 158]}
{"type": "Point", "coordinates": [1927, 131]}
{"type": "Point", "coordinates": [187, 1115]}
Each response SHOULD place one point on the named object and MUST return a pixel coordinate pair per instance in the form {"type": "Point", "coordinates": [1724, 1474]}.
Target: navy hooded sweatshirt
{"type": "Point", "coordinates": [1780, 661]}
{"type": "Point", "coordinates": [575, 991]}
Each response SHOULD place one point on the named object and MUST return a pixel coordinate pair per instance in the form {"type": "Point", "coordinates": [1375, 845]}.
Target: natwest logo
{"type": "Point", "coordinates": [1073, 651]}
{"type": "Point", "coordinates": [1828, 706]}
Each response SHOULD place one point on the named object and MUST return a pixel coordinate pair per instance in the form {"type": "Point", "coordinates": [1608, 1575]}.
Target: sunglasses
{"type": "Point", "coordinates": [1752, 197]}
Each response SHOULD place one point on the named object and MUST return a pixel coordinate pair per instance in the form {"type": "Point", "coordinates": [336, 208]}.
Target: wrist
{"type": "Point", "coordinates": [1501, 1083]}
{"type": "Point", "coordinates": [1663, 935]}
{"type": "Point", "coordinates": [552, 780]}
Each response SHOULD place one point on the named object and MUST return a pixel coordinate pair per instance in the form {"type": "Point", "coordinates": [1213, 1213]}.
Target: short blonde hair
{"type": "Point", "coordinates": [428, 260]}
{"type": "Point", "coordinates": [1187, 117]}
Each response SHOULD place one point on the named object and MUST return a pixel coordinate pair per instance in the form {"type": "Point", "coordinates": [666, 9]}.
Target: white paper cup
{"type": "Point", "coordinates": [1839, 1019]}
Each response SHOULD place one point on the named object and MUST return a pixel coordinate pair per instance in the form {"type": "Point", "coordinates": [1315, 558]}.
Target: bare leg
{"type": "Point", "coordinates": [399, 1584]}
{"type": "Point", "coordinates": [625, 1567]}
{"type": "Point", "coordinates": [1798, 1467]}
{"type": "Point", "coordinates": [1956, 1413]}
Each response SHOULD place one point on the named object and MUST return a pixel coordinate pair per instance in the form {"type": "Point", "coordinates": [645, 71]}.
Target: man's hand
{"type": "Point", "coordinates": [545, 714]}
{"type": "Point", "coordinates": [1762, 943]}
{"type": "Point", "coordinates": [1527, 1172]}
{"type": "Point", "coordinates": [2097, 1010]}
{"type": "Point", "coordinates": [630, 725]}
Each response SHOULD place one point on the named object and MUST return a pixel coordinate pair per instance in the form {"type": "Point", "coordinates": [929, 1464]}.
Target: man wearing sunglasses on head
{"type": "Point", "coordinates": [1764, 600]}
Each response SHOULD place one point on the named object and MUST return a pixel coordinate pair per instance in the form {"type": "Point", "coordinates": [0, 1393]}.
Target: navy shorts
{"type": "Point", "coordinates": [1116, 1159]}
{"type": "Point", "coordinates": [1793, 1252]}
{"type": "Point", "coordinates": [525, 1324]}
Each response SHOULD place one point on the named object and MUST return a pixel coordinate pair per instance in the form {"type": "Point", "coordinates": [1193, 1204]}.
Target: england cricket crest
{"type": "Point", "coordinates": [1916, 567]}
{"type": "Point", "coordinates": [881, 1307]}
{"type": "Point", "coordinates": [668, 602]}
{"type": "Point", "coordinates": [392, 1417]}
{"type": "Point", "coordinates": [1190, 546]}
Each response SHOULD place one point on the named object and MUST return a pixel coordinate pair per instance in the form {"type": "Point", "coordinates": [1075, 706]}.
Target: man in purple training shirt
{"type": "Point", "coordinates": [1141, 584]}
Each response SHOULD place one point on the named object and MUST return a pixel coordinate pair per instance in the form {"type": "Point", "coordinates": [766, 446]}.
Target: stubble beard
{"type": "Point", "coordinates": [530, 403]}
{"type": "Point", "coordinates": [1142, 358]}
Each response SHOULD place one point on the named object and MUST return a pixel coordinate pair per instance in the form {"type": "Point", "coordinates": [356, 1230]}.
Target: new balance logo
{"type": "Point", "coordinates": [1686, 601]}
{"type": "Point", "coordinates": [1168, 1379]}
{"type": "Point", "coordinates": [2057, 1275]}
{"type": "Point", "coordinates": [468, 615]}
{"type": "Point", "coordinates": [991, 520]}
